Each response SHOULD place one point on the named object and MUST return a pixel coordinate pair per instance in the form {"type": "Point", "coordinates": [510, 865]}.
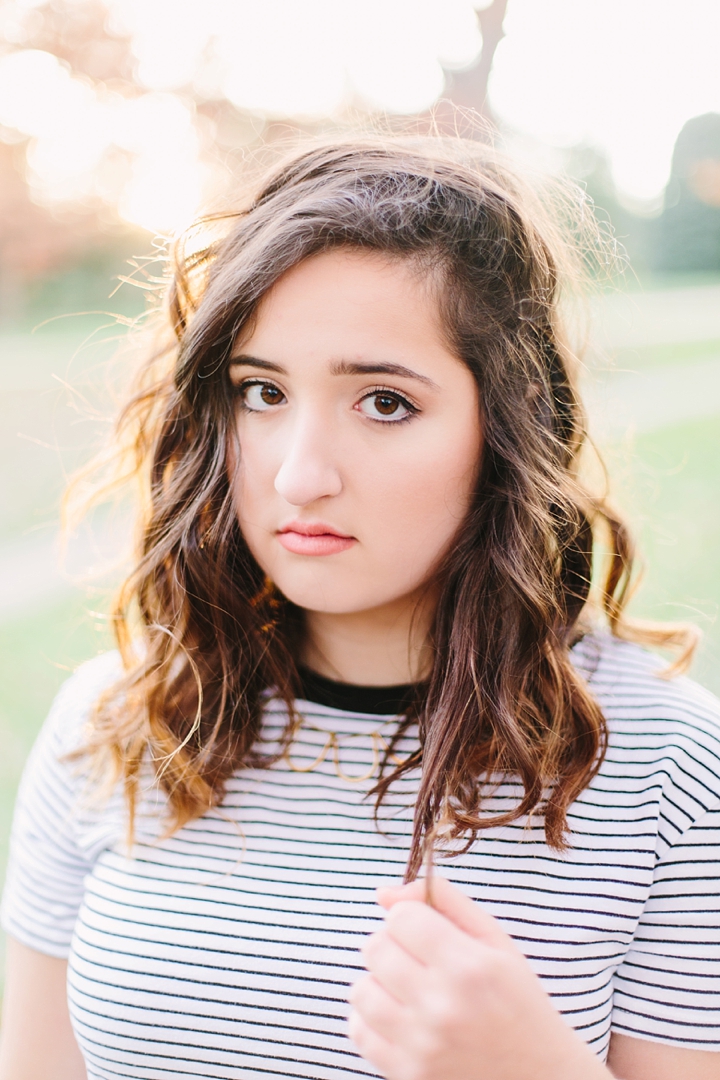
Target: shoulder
{"type": "Point", "coordinates": [54, 765]}
{"type": "Point", "coordinates": [663, 733]}
{"type": "Point", "coordinates": [61, 797]}
{"type": "Point", "coordinates": [65, 729]}
{"type": "Point", "coordinates": [628, 681]}
{"type": "Point", "coordinates": [57, 832]}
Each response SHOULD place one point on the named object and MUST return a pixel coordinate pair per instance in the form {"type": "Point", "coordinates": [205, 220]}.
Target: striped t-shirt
{"type": "Point", "coordinates": [226, 950]}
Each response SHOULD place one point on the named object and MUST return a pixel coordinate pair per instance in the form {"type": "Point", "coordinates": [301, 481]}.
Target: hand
{"type": "Point", "coordinates": [448, 996]}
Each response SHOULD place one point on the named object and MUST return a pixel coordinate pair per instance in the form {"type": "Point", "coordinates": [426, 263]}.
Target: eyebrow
{"type": "Point", "coordinates": [346, 367]}
{"type": "Point", "coordinates": [252, 361]}
{"type": "Point", "coordinates": [342, 367]}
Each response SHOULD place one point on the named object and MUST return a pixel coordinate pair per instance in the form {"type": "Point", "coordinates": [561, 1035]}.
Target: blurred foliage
{"type": "Point", "coordinates": [49, 244]}
{"type": "Point", "coordinates": [590, 167]}
{"type": "Point", "coordinates": [85, 280]}
{"type": "Point", "coordinates": [682, 236]}
{"type": "Point", "coordinates": [689, 229]}
{"type": "Point", "coordinates": [111, 116]}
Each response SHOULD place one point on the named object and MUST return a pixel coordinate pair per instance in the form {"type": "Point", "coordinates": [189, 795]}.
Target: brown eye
{"type": "Point", "coordinates": [383, 405]}
{"type": "Point", "coordinates": [260, 396]}
{"type": "Point", "coordinates": [386, 405]}
{"type": "Point", "coordinates": [270, 395]}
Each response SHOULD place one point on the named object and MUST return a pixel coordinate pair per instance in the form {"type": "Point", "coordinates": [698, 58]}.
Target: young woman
{"type": "Point", "coordinates": [359, 645]}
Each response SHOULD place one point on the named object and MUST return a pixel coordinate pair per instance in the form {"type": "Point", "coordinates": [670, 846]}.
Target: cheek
{"type": "Point", "coordinates": [417, 502]}
{"type": "Point", "coordinates": [403, 497]}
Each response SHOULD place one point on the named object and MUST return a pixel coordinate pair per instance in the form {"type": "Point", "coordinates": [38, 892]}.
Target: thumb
{"type": "Point", "coordinates": [458, 908]}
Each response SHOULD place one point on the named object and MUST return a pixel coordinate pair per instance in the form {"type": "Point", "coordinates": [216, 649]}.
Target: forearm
{"type": "Point", "coordinates": [37, 1040]}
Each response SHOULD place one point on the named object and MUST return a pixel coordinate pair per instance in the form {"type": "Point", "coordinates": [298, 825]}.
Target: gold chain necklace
{"type": "Point", "coordinates": [332, 743]}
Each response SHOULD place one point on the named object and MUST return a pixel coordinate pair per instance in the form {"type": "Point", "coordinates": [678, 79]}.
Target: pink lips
{"type": "Point", "coordinates": [313, 539]}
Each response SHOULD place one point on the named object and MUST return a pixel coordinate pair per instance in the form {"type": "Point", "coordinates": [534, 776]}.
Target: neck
{"type": "Point", "coordinates": [385, 646]}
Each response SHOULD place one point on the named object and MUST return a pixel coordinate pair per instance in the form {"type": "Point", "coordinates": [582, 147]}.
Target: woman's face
{"type": "Point", "coordinates": [359, 434]}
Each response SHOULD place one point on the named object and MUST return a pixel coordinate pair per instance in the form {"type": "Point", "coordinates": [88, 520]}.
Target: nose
{"type": "Point", "coordinates": [308, 471]}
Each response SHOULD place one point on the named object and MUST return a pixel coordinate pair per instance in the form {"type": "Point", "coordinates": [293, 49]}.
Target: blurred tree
{"type": "Point", "coordinates": [469, 89]}
{"type": "Point", "coordinates": [689, 228]}
{"type": "Point", "coordinates": [33, 241]}
{"type": "Point", "coordinates": [78, 33]}
{"type": "Point", "coordinates": [38, 239]}
{"type": "Point", "coordinates": [590, 166]}
{"type": "Point", "coordinates": [114, 117]}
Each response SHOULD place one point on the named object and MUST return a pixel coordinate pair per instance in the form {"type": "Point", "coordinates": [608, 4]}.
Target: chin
{"type": "Point", "coordinates": [333, 597]}
{"type": "Point", "coordinates": [337, 603]}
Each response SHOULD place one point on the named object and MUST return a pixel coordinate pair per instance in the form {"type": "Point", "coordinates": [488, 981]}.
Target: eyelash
{"type": "Point", "coordinates": [412, 408]}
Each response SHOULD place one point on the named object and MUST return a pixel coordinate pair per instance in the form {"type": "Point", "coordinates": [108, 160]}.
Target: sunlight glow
{"type": "Point", "coordinates": [73, 127]}
{"type": "Point", "coordinates": [36, 90]}
{"type": "Point", "coordinates": [624, 75]}
{"type": "Point", "coordinates": [284, 58]}
{"type": "Point", "coordinates": [168, 37]}
{"type": "Point", "coordinates": [164, 191]}
{"type": "Point", "coordinates": [279, 58]}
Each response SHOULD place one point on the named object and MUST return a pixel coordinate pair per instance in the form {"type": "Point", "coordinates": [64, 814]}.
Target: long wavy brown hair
{"type": "Point", "coordinates": [514, 592]}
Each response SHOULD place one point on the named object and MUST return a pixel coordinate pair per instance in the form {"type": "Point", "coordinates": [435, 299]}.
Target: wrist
{"type": "Point", "coordinates": [579, 1062]}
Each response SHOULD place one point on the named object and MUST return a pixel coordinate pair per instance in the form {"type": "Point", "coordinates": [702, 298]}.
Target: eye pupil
{"type": "Point", "coordinates": [269, 394]}
{"type": "Point", "coordinates": [385, 404]}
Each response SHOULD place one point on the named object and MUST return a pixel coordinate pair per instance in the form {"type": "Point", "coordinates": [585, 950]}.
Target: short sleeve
{"type": "Point", "coordinates": [55, 839]}
{"type": "Point", "coordinates": [668, 987]}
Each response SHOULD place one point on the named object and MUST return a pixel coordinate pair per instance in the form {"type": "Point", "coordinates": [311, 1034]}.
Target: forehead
{"type": "Point", "coordinates": [364, 299]}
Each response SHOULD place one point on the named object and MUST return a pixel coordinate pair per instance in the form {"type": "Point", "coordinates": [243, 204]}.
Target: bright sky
{"type": "Point", "coordinates": [620, 74]}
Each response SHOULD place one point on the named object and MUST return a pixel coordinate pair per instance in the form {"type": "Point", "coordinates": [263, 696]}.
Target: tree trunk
{"type": "Point", "coordinates": [468, 89]}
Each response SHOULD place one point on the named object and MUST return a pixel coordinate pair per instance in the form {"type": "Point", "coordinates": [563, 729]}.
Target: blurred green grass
{"type": "Point", "coordinates": [56, 406]}
{"type": "Point", "coordinates": [653, 356]}
{"type": "Point", "coordinates": [671, 495]}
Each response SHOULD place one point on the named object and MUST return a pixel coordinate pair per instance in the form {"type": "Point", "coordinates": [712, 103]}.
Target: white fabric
{"type": "Point", "coordinates": [227, 949]}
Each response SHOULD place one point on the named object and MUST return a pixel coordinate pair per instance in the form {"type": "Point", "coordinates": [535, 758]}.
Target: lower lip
{"type": "Point", "coordinates": [324, 544]}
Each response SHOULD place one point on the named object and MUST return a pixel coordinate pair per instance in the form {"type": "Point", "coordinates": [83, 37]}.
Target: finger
{"type": "Point", "coordinates": [436, 942]}
{"type": "Point", "coordinates": [426, 935]}
{"type": "Point", "coordinates": [389, 895]}
{"type": "Point", "coordinates": [397, 971]}
{"type": "Point", "coordinates": [448, 900]}
{"type": "Point", "coordinates": [379, 1009]}
{"type": "Point", "coordinates": [386, 1058]}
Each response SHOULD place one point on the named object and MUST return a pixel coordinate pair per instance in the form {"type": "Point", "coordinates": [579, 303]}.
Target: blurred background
{"type": "Point", "coordinates": [120, 120]}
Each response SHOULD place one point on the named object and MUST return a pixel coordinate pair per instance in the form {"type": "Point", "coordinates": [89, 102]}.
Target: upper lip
{"type": "Point", "coordinates": [312, 528]}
